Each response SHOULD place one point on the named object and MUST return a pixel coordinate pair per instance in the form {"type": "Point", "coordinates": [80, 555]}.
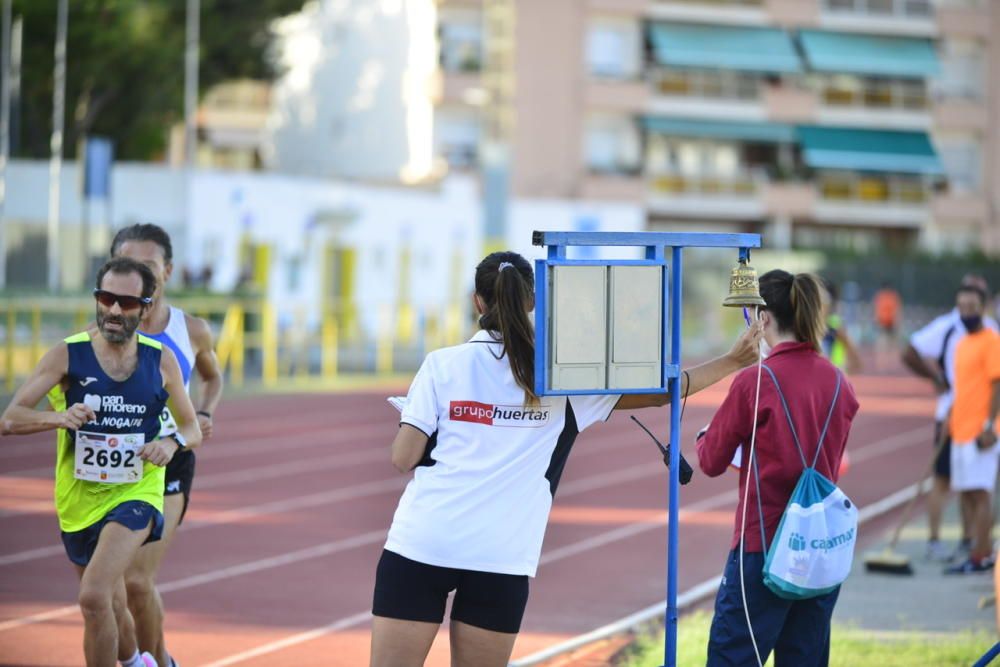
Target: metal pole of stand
{"type": "Point", "coordinates": [670, 645]}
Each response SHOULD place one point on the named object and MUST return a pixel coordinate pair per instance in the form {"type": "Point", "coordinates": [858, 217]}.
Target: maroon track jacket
{"type": "Point", "coordinates": [808, 381]}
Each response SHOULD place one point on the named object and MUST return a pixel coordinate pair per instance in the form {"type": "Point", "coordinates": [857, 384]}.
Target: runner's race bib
{"type": "Point", "coordinates": [110, 458]}
{"type": "Point", "coordinates": [168, 425]}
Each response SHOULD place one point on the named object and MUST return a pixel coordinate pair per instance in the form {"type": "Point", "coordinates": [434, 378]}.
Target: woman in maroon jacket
{"type": "Point", "coordinates": [797, 631]}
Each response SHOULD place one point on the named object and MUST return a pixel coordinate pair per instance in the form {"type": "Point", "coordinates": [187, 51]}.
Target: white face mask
{"type": "Point", "coordinates": [765, 349]}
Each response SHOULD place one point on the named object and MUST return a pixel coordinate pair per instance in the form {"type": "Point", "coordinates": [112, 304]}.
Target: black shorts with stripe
{"type": "Point", "coordinates": [179, 477]}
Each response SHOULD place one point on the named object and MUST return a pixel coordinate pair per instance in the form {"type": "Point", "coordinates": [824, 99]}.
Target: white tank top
{"type": "Point", "coordinates": [176, 337]}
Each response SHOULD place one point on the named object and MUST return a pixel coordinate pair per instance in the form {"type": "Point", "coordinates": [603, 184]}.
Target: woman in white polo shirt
{"type": "Point", "coordinates": [488, 455]}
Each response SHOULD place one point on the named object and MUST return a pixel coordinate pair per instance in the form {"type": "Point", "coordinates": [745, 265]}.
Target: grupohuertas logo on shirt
{"type": "Point", "coordinates": [519, 416]}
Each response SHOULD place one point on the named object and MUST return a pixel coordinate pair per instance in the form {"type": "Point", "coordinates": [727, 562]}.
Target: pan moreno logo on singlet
{"type": "Point", "coordinates": [518, 416]}
{"type": "Point", "coordinates": [115, 404]}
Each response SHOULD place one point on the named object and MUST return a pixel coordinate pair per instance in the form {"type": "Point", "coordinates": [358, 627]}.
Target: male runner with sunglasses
{"type": "Point", "coordinates": [107, 388]}
{"type": "Point", "coordinates": [190, 339]}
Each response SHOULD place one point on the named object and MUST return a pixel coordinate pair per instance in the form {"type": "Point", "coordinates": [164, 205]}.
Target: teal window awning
{"type": "Point", "coordinates": [723, 47]}
{"type": "Point", "coordinates": [869, 54]}
{"type": "Point", "coordinates": [711, 129]}
{"type": "Point", "coordinates": [869, 150]}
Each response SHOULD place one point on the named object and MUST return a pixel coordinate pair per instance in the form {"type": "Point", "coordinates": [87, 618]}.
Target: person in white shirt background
{"type": "Point", "coordinates": [487, 454]}
{"type": "Point", "coordinates": [931, 355]}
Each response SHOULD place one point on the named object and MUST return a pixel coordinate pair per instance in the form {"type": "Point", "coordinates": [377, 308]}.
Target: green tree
{"type": "Point", "coordinates": [125, 66]}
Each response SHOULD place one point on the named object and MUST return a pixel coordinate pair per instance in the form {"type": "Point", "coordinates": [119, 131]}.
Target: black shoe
{"type": "Point", "coordinates": [971, 566]}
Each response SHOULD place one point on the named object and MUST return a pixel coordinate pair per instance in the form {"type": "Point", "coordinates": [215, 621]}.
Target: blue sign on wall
{"type": "Point", "coordinates": [97, 168]}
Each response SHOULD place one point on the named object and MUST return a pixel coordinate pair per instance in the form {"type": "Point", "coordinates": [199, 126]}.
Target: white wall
{"type": "Point", "coordinates": [140, 192]}
{"type": "Point", "coordinates": [441, 226]}
{"type": "Point", "coordinates": [286, 213]}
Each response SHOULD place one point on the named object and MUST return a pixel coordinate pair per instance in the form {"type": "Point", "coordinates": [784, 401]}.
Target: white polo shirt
{"type": "Point", "coordinates": [932, 340]}
{"type": "Point", "coordinates": [483, 500]}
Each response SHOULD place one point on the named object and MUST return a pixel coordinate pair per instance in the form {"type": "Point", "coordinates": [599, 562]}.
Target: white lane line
{"type": "Point", "coordinates": [637, 528]}
{"type": "Point", "coordinates": [581, 486]}
{"type": "Point", "coordinates": [281, 560]}
{"type": "Point", "coordinates": [630, 622]}
{"type": "Point", "coordinates": [245, 476]}
{"type": "Point", "coordinates": [31, 554]}
{"type": "Point", "coordinates": [230, 432]}
{"type": "Point", "coordinates": [349, 493]}
{"type": "Point", "coordinates": [369, 488]}
{"type": "Point", "coordinates": [329, 461]}
{"type": "Point", "coordinates": [247, 513]}
{"type": "Point", "coordinates": [229, 447]}
{"type": "Point", "coordinates": [892, 443]}
{"type": "Point", "coordinates": [553, 556]}
{"type": "Point", "coordinates": [684, 600]}
{"type": "Point", "coordinates": [340, 624]}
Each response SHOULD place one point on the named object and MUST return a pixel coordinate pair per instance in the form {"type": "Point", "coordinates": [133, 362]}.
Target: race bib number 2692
{"type": "Point", "coordinates": [111, 458]}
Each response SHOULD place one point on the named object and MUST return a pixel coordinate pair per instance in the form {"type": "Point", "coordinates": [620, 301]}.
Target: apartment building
{"type": "Point", "coordinates": [855, 124]}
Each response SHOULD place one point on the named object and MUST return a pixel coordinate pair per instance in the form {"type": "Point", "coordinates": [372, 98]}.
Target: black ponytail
{"type": "Point", "coordinates": [797, 303]}
{"type": "Point", "coordinates": [506, 284]}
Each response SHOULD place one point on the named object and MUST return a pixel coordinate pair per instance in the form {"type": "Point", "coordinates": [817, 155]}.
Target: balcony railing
{"type": "Point", "coordinates": [706, 84]}
{"type": "Point", "coordinates": [913, 9]}
{"type": "Point", "coordinates": [888, 95]}
{"type": "Point", "coordinates": [872, 189]}
{"type": "Point", "coordinates": [715, 3]}
{"type": "Point", "coordinates": [739, 184]}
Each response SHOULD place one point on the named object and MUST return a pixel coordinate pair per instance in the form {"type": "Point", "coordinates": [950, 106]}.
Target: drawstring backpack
{"type": "Point", "coordinates": [813, 547]}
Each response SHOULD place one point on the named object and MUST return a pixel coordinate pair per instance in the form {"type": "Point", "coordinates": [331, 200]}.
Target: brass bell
{"type": "Point", "coordinates": [743, 287]}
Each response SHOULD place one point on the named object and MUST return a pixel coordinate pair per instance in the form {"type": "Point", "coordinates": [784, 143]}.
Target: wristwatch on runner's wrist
{"type": "Point", "coordinates": [179, 439]}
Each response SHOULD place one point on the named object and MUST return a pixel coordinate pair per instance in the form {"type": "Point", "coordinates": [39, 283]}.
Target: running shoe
{"type": "Point", "coordinates": [962, 551]}
{"type": "Point", "coordinates": [148, 660]}
{"type": "Point", "coordinates": [971, 566]}
{"type": "Point", "coordinates": [938, 551]}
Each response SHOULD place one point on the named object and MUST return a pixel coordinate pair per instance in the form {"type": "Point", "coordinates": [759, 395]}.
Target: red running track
{"type": "Point", "coordinates": [275, 562]}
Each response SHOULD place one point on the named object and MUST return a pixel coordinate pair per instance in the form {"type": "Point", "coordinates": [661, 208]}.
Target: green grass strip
{"type": "Point", "coordinates": [851, 647]}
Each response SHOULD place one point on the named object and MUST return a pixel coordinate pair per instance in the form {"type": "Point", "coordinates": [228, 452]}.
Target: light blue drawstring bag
{"type": "Point", "coordinates": [813, 547]}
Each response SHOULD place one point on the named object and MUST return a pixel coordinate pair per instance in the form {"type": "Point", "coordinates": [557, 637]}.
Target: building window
{"type": "Point", "coordinates": [872, 188]}
{"type": "Point", "coordinates": [962, 160]}
{"type": "Point", "coordinates": [723, 3]}
{"type": "Point", "coordinates": [963, 70]}
{"type": "Point", "coordinates": [708, 84]}
{"type": "Point", "coordinates": [853, 239]}
{"type": "Point", "coordinates": [456, 137]}
{"type": "Point", "coordinates": [612, 145]}
{"type": "Point", "coordinates": [613, 49]}
{"type": "Point", "coordinates": [678, 165]}
{"type": "Point", "coordinates": [893, 8]}
{"type": "Point", "coordinates": [460, 37]}
{"type": "Point", "coordinates": [845, 90]}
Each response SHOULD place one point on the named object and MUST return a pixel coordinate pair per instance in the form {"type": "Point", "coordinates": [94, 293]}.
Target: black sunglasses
{"type": "Point", "coordinates": [127, 302]}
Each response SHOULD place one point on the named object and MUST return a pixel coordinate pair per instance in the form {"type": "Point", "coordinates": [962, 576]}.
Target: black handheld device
{"type": "Point", "coordinates": [686, 471]}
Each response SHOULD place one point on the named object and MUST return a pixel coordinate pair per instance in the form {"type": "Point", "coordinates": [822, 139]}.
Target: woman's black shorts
{"type": "Point", "coordinates": [412, 591]}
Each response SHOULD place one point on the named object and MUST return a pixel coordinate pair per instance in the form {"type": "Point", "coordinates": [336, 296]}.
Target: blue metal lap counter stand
{"type": "Point", "coordinates": [657, 337]}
